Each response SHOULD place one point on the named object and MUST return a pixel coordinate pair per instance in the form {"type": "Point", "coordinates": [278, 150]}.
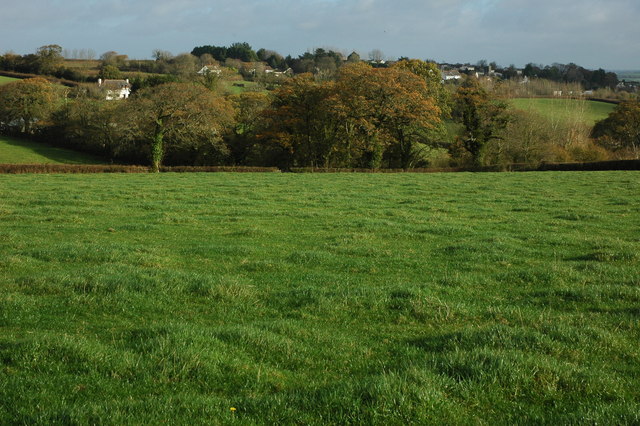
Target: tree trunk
{"type": "Point", "coordinates": [157, 149]}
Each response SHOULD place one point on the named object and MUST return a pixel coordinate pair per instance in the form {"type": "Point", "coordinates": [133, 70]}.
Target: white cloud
{"type": "Point", "coordinates": [589, 32]}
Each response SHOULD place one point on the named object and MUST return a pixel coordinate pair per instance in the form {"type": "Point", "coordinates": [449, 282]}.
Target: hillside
{"type": "Point", "coordinates": [5, 80]}
{"type": "Point", "coordinates": [573, 110]}
{"type": "Point", "coordinates": [20, 151]}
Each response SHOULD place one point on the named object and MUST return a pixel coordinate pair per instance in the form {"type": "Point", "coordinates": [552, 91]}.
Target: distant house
{"type": "Point", "coordinates": [210, 69]}
{"type": "Point", "coordinates": [115, 89]}
{"type": "Point", "coordinates": [451, 75]}
{"type": "Point", "coordinates": [276, 73]}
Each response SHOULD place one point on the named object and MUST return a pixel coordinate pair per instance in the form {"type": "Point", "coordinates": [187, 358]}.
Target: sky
{"type": "Point", "coordinates": [592, 33]}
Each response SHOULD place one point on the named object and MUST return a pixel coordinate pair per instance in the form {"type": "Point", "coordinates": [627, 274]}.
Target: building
{"type": "Point", "coordinates": [115, 89]}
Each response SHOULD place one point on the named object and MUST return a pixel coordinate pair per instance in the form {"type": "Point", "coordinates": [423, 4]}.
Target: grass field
{"type": "Point", "coordinates": [320, 299]}
{"type": "Point", "coordinates": [5, 80]}
{"type": "Point", "coordinates": [566, 110]}
{"type": "Point", "coordinates": [229, 86]}
{"type": "Point", "coordinates": [20, 151]}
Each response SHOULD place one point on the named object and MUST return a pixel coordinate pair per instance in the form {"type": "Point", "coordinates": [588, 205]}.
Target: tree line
{"type": "Point", "coordinates": [400, 116]}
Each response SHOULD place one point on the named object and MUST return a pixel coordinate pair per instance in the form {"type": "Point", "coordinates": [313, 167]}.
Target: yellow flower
{"type": "Point", "coordinates": [233, 409]}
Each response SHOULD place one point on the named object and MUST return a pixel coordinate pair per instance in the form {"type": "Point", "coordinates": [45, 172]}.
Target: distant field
{"type": "Point", "coordinates": [20, 151]}
{"type": "Point", "coordinates": [628, 75]}
{"type": "Point", "coordinates": [587, 112]}
{"type": "Point", "coordinates": [5, 80]}
{"type": "Point", "coordinates": [320, 299]}
{"type": "Point", "coordinates": [237, 87]}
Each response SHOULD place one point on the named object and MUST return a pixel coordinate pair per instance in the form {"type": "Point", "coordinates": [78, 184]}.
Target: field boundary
{"type": "Point", "coordinates": [592, 166]}
{"type": "Point", "coordinates": [119, 168]}
{"type": "Point", "coordinates": [54, 80]}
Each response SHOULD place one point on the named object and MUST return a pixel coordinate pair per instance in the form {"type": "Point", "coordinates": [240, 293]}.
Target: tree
{"type": "Point", "coordinates": [185, 65]}
{"type": "Point", "coordinates": [110, 72]}
{"type": "Point", "coordinates": [50, 58]}
{"type": "Point", "coordinates": [162, 55]}
{"type": "Point", "coordinates": [376, 55]}
{"type": "Point", "coordinates": [386, 109]}
{"type": "Point", "coordinates": [248, 107]}
{"type": "Point", "coordinates": [27, 104]}
{"type": "Point", "coordinates": [481, 116]}
{"type": "Point", "coordinates": [242, 51]}
{"type": "Point", "coordinates": [90, 124]}
{"type": "Point", "coordinates": [353, 57]}
{"type": "Point", "coordinates": [180, 116]}
{"type": "Point", "coordinates": [621, 129]}
{"type": "Point", "coordinates": [299, 123]}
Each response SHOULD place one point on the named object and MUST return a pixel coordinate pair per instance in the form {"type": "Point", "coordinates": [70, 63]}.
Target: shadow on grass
{"type": "Point", "coordinates": [51, 153]}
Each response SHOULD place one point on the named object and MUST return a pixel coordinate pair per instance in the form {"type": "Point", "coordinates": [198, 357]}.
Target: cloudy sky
{"type": "Point", "coordinates": [591, 33]}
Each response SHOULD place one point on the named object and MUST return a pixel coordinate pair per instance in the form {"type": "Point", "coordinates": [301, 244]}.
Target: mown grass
{"type": "Point", "coordinates": [566, 110]}
{"type": "Point", "coordinates": [21, 151]}
{"type": "Point", "coordinates": [236, 87]}
{"type": "Point", "coordinates": [354, 298]}
{"type": "Point", "coordinates": [5, 80]}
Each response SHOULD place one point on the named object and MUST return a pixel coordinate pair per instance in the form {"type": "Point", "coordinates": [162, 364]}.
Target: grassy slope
{"type": "Point", "coordinates": [20, 151]}
{"type": "Point", "coordinates": [389, 299]}
{"type": "Point", "coordinates": [587, 112]}
{"type": "Point", "coordinates": [5, 80]}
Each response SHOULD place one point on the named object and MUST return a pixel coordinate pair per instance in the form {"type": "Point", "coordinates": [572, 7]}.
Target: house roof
{"type": "Point", "coordinates": [114, 84]}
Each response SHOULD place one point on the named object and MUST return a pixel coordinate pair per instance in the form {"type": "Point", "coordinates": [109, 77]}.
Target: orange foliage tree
{"type": "Point", "coordinates": [366, 116]}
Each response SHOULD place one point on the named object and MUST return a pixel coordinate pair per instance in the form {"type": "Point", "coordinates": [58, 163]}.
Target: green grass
{"type": "Point", "coordinates": [320, 299]}
{"type": "Point", "coordinates": [5, 80]}
{"type": "Point", "coordinates": [21, 151]}
{"type": "Point", "coordinates": [566, 110]}
{"type": "Point", "coordinates": [229, 87]}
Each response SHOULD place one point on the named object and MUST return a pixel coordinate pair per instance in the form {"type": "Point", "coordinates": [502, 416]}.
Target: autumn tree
{"type": "Point", "coordinates": [384, 109]}
{"type": "Point", "coordinates": [181, 117]}
{"type": "Point", "coordinates": [299, 122]}
{"type": "Point", "coordinates": [481, 116]}
{"type": "Point", "coordinates": [26, 105]}
{"type": "Point", "coordinates": [620, 131]}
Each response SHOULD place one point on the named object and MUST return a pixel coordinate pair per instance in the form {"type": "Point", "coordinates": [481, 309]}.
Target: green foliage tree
{"type": "Point", "coordinates": [242, 51]}
{"type": "Point", "coordinates": [620, 131]}
{"type": "Point", "coordinates": [27, 105]}
{"type": "Point", "coordinates": [49, 58]}
{"type": "Point", "coordinates": [90, 124]}
{"type": "Point", "coordinates": [481, 116]}
{"type": "Point", "coordinates": [248, 109]}
{"type": "Point", "coordinates": [109, 72]}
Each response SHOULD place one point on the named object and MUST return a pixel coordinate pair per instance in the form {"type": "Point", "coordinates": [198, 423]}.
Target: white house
{"type": "Point", "coordinates": [451, 75]}
{"type": "Point", "coordinates": [210, 69]}
{"type": "Point", "coordinates": [275, 73]}
{"type": "Point", "coordinates": [115, 89]}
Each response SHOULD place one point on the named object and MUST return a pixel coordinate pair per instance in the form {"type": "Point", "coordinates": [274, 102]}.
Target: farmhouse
{"type": "Point", "coordinates": [451, 75]}
{"type": "Point", "coordinates": [276, 73]}
{"type": "Point", "coordinates": [210, 69]}
{"type": "Point", "coordinates": [115, 89]}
